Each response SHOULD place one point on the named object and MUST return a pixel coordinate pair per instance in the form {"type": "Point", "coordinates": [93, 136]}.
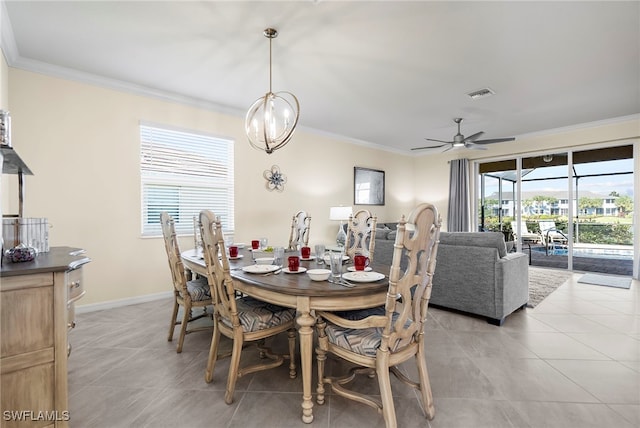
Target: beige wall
{"type": "Point", "coordinates": [82, 143]}
{"type": "Point", "coordinates": [4, 105]}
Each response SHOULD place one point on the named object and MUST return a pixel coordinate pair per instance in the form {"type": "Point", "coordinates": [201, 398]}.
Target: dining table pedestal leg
{"type": "Point", "coordinates": [306, 323]}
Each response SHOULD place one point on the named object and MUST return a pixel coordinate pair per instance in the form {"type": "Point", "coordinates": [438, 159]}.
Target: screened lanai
{"type": "Point", "coordinates": [579, 218]}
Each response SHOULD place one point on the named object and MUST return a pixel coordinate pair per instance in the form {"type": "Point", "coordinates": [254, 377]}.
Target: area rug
{"type": "Point", "coordinates": [606, 280]}
{"type": "Point", "coordinates": [543, 282]}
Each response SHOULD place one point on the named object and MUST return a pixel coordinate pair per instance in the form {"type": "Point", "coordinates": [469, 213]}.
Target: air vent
{"type": "Point", "coordinates": [481, 93]}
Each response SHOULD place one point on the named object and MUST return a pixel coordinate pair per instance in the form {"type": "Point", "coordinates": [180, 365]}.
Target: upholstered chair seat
{"type": "Point", "coordinates": [255, 315]}
{"type": "Point", "coordinates": [199, 290]}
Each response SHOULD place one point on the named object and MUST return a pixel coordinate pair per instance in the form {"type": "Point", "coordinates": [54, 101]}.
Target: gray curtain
{"type": "Point", "coordinates": [458, 216]}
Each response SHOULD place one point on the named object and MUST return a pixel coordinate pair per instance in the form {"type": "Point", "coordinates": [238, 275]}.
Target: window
{"type": "Point", "coordinates": [183, 173]}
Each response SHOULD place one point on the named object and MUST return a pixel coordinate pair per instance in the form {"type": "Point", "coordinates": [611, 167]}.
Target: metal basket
{"type": "Point", "coordinates": [33, 232]}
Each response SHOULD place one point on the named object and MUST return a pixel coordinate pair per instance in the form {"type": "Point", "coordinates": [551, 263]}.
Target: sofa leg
{"type": "Point", "coordinates": [496, 321]}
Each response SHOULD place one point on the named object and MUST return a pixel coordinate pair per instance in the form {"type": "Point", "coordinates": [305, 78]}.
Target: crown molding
{"type": "Point", "coordinates": [580, 126]}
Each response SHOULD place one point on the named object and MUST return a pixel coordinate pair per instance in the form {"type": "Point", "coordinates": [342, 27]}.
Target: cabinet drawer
{"type": "Point", "coordinates": [75, 284]}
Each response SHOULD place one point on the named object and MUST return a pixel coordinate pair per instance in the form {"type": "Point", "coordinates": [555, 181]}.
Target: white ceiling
{"type": "Point", "coordinates": [388, 73]}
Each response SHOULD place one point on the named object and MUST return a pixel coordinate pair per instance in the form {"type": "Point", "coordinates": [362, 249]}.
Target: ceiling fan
{"type": "Point", "coordinates": [459, 140]}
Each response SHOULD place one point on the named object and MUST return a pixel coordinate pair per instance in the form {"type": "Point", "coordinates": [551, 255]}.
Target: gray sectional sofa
{"type": "Point", "coordinates": [474, 272]}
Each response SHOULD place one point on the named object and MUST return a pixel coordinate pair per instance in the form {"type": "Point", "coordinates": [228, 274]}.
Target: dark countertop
{"type": "Point", "coordinates": [57, 259]}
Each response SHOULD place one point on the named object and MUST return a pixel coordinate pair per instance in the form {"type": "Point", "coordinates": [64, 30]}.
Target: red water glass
{"type": "Point", "coordinates": [294, 263]}
{"type": "Point", "coordinates": [233, 251]}
{"type": "Point", "coordinates": [306, 252]}
{"type": "Point", "coordinates": [255, 244]}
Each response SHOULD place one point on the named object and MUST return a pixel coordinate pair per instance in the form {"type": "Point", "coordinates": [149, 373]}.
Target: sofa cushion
{"type": "Point", "coordinates": [476, 239]}
{"type": "Point", "coordinates": [381, 232]}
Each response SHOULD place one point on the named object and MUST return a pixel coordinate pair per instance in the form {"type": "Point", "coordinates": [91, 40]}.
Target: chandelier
{"type": "Point", "coordinates": [271, 119]}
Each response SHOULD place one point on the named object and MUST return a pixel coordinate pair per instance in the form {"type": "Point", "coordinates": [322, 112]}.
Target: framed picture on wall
{"type": "Point", "coordinates": [368, 186]}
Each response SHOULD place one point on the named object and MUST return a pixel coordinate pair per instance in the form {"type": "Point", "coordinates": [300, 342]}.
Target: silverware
{"type": "Point", "coordinates": [351, 284]}
{"type": "Point", "coordinates": [275, 272]}
{"type": "Point", "coordinates": [342, 282]}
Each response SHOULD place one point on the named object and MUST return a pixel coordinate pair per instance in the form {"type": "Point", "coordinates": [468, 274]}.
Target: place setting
{"type": "Point", "coordinates": [305, 254]}
{"type": "Point", "coordinates": [233, 252]}
{"type": "Point", "coordinates": [260, 268]}
{"type": "Point", "coordinates": [267, 265]}
{"type": "Point", "coordinates": [294, 265]}
{"type": "Point", "coordinates": [359, 272]}
{"type": "Point", "coordinates": [360, 263]}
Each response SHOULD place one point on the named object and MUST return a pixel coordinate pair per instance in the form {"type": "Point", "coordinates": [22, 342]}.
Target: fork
{"type": "Point", "coordinates": [275, 272]}
{"type": "Point", "coordinates": [342, 282]}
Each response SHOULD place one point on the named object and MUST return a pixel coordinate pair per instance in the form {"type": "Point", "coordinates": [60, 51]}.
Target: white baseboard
{"type": "Point", "coordinates": [92, 307]}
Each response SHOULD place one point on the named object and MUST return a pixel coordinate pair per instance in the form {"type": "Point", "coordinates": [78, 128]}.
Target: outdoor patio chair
{"type": "Point", "coordinates": [550, 234]}
{"type": "Point", "coordinates": [526, 235]}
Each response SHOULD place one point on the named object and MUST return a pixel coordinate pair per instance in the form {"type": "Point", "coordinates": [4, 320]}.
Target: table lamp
{"type": "Point", "coordinates": [341, 214]}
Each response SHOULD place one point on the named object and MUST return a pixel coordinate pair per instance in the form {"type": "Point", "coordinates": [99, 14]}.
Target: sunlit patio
{"type": "Point", "coordinates": [607, 262]}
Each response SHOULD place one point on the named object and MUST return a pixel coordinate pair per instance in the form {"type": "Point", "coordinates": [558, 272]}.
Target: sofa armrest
{"type": "Point", "coordinates": [512, 282]}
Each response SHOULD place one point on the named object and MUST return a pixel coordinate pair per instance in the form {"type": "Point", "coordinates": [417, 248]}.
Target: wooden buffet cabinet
{"type": "Point", "coordinates": [36, 312]}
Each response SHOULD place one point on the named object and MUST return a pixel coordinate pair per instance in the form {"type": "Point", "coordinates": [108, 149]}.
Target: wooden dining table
{"type": "Point", "coordinates": [297, 290]}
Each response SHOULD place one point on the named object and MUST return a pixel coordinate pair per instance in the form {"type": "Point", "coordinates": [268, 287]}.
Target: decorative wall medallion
{"type": "Point", "coordinates": [275, 179]}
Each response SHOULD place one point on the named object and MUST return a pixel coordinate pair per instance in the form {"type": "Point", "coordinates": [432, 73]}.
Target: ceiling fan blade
{"type": "Point", "coordinates": [430, 147]}
{"type": "Point", "coordinates": [472, 138]}
{"type": "Point", "coordinates": [439, 141]}
{"type": "Point", "coordinates": [494, 140]}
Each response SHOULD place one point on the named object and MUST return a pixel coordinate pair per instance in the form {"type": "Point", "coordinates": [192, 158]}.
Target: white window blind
{"type": "Point", "coordinates": [183, 173]}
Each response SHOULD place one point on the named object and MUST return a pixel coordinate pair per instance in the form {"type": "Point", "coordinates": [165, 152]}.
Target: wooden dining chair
{"type": "Point", "coordinates": [188, 294]}
{"type": "Point", "coordinates": [377, 340]}
{"type": "Point", "coordinates": [361, 234]}
{"type": "Point", "coordinates": [300, 226]}
{"type": "Point", "coordinates": [241, 319]}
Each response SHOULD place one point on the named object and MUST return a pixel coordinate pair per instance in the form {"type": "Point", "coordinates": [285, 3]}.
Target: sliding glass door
{"type": "Point", "coordinates": [544, 209]}
{"type": "Point", "coordinates": [569, 210]}
{"type": "Point", "coordinates": [603, 216]}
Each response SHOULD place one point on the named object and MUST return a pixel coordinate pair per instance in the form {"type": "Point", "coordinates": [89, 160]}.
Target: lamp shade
{"type": "Point", "coordinates": [340, 213]}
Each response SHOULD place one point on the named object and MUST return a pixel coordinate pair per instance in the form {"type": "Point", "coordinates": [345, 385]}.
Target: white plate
{"type": "Point", "coordinates": [240, 246]}
{"type": "Point", "coordinates": [260, 268]}
{"type": "Point", "coordinates": [300, 270]}
{"type": "Point", "coordinates": [308, 258]}
{"type": "Point", "coordinates": [361, 276]}
{"type": "Point", "coordinates": [353, 269]}
{"type": "Point", "coordinates": [238, 257]}
{"type": "Point", "coordinates": [327, 260]}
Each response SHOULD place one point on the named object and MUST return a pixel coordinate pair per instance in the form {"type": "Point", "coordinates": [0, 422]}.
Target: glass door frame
{"type": "Point", "coordinates": [476, 191]}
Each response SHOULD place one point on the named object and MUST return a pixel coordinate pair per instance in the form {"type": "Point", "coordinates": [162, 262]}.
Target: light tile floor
{"type": "Point", "coordinates": [573, 361]}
